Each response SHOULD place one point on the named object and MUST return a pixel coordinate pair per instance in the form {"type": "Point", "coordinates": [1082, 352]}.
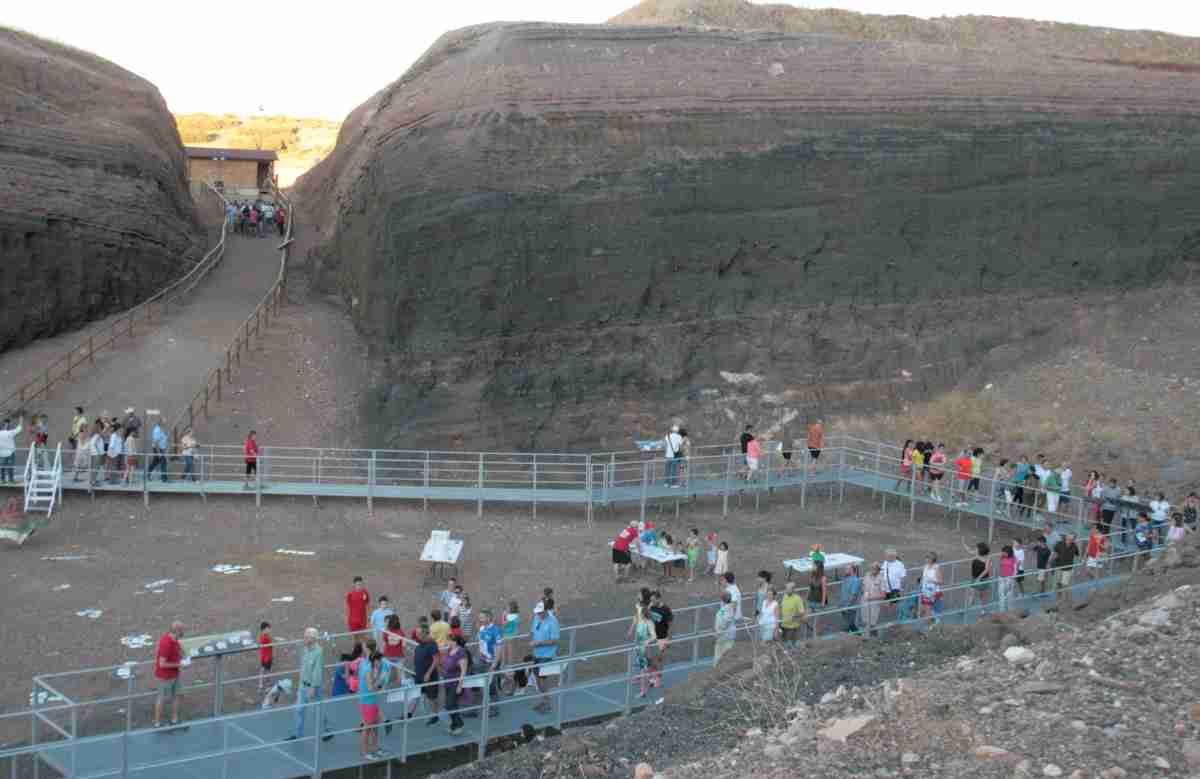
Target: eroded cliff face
{"type": "Point", "coordinates": [94, 209]}
{"type": "Point", "coordinates": [564, 235]}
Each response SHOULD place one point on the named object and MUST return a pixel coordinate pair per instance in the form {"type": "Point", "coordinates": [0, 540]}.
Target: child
{"type": "Point", "coordinates": [721, 567]}
{"type": "Point", "coordinates": [278, 692]}
{"type": "Point", "coordinates": [1019, 552]}
{"type": "Point", "coordinates": [693, 554]}
{"type": "Point", "coordinates": [512, 623]}
{"type": "Point", "coordinates": [1191, 510]}
{"type": "Point", "coordinates": [456, 630]}
{"type": "Point", "coordinates": [1096, 548]}
{"type": "Point", "coordinates": [1143, 534]}
{"type": "Point", "coordinates": [524, 682]}
{"type": "Point", "coordinates": [712, 554]}
{"type": "Point", "coordinates": [760, 592]}
{"type": "Point", "coordinates": [1042, 552]}
{"type": "Point", "coordinates": [266, 653]}
{"type": "Point", "coordinates": [681, 549]}
{"type": "Point", "coordinates": [1177, 532]}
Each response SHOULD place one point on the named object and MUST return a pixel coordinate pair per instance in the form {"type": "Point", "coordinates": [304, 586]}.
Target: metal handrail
{"type": "Point", "coordinates": [42, 384]}
{"type": "Point", "coordinates": [212, 384]}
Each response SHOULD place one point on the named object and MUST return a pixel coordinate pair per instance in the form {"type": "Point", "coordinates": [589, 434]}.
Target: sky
{"type": "Point", "coordinates": [311, 59]}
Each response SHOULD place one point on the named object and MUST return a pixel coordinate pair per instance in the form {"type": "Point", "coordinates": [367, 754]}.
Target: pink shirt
{"type": "Point", "coordinates": [1008, 566]}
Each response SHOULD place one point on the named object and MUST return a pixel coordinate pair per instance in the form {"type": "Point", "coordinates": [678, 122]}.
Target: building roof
{"type": "Point", "coordinates": [201, 152]}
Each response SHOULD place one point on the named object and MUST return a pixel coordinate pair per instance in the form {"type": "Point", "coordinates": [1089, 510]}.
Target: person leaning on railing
{"type": "Point", "coordinates": [8, 450]}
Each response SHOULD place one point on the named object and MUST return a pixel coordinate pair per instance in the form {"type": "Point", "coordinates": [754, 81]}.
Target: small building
{"type": "Point", "coordinates": [240, 171]}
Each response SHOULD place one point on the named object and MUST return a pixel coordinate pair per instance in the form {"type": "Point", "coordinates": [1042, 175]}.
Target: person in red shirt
{"type": "Point", "coordinates": [251, 458]}
{"type": "Point", "coordinates": [168, 658]}
{"type": "Point", "coordinates": [357, 601]}
{"type": "Point", "coordinates": [266, 653]}
{"type": "Point", "coordinates": [962, 473]}
{"type": "Point", "coordinates": [620, 548]}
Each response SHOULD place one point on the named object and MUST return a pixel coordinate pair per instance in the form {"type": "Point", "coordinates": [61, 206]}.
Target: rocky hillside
{"type": "Point", "coordinates": [94, 208]}
{"type": "Point", "coordinates": [565, 235]}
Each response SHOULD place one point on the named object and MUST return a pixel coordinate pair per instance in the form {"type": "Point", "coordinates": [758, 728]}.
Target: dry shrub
{"type": "Point", "coordinates": [761, 696]}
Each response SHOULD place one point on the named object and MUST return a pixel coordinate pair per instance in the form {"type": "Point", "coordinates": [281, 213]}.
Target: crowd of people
{"type": "Point", "coordinates": [453, 642]}
{"type": "Point", "coordinates": [257, 218]}
{"type": "Point", "coordinates": [676, 446]}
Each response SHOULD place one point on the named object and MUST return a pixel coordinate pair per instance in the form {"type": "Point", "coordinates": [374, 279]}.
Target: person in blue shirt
{"type": "Point", "coordinates": [379, 618]}
{"type": "Point", "coordinates": [490, 643]}
{"type": "Point", "coordinates": [369, 672]}
{"type": "Point", "coordinates": [545, 645]}
{"type": "Point", "coordinates": [851, 596]}
{"type": "Point", "coordinates": [161, 445]}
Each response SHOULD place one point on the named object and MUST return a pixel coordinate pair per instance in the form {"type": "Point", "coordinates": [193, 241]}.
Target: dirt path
{"type": "Point", "coordinates": [164, 364]}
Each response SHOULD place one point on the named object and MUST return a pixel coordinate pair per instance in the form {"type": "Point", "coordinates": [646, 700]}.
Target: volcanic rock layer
{"type": "Point", "coordinates": [94, 208]}
{"type": "Point", "coordinates": [564, 234]}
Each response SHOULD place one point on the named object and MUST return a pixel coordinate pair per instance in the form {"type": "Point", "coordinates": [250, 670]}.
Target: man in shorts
{"type": "Point", "coordinates": [816, 442]}
{"type": "Point", "coordinates": [1065, 554]}
{"type": "Point", "coordinates": [545, 636]}
{"type": "Point", "coordinates": [168, 659]}
{"type": "Point", "coordinates": [620, 549]}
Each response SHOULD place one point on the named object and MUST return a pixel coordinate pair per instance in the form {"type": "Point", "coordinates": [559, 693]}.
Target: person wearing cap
{"type": "Point", "coordinates": [620, 548]}
{"type": "Point", "coordinates": [672, 444]}
{"type": "Point", "coordinates": [279, 691]}
{"type": "Point", "coordinates": [132, 423]}
{"type": "Point", "coordinates": [545, 644]}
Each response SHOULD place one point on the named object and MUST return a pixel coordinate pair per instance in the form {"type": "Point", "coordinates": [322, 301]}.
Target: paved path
{"type": "Point", "coordinates": [163, 365]}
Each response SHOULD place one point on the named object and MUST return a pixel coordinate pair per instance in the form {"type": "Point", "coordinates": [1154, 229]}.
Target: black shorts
{"type": "Point", "coordinates": [251, 467]}
{"type": "Point", "coordinates": [894, 594]}
{"type": "Point", "coordinates": [430, 691]}
{"type": "Point", "coordinates": [973, 484]}
{"type": "Point", "coordinates": [814, 453]}
{"type": "Point", "coordinates": [936, 476]}
{"type": "Point", "coordinates": [267, 665]}
{"type": "Point", "coordinates": [621, 557]}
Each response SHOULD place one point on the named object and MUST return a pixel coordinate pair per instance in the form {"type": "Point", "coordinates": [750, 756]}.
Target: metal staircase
{"type": "Point", "coordinates": [43, 483]}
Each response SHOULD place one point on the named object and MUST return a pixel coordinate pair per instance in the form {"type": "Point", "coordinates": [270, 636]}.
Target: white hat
{"type": "Point", "coordinates": [539, 608]}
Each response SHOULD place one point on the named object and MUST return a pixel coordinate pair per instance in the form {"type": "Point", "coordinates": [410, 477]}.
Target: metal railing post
{"type": "Point", "coordinates": [484, 718]}
{"type": "Point", "coordinates": [535, 485]}
{"type": "Point", "coordinates": [371, 484]}
{"type": "Point", "coordinates": [479, 505]}
{"type": "Point", "coordinates": [318, 732]}
{"type": "Point", "coordinates": [728, 484]}
{"type": "Point", "coordinates": [842, 474]}
{"type": "Point", "coordinates": [74, 740]}
{"type": "Point", "coordinates": [425, 505]}
{"type": "Point", "coordinates": [912, 495]}
{"type": "Point", "coordinates": [645, 485]}
{"type": "Point", "coordinates": [878, 466]}
{"type": "Point", "coordinates": [696, 636]}
{"type": "Point", "coordinates": [261, 462]}
{"type": "Point", "coordinates": [628, 705]}
{"type": "Point", "coordinates": [590, 487]}
{"type": "Point", "coordinates": [803, 481]}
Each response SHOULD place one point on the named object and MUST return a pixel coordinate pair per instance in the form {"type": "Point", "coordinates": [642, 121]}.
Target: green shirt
{"type": "Point", "coordinates": [312, 667]}
{"type": "Point", "coordinates": [793, 610]}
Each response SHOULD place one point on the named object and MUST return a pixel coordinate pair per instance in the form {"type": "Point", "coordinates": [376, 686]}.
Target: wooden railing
{"type": "Point", "coordinates": [65, 367]}
{"type": "Point", "coordinates": [220, 377]}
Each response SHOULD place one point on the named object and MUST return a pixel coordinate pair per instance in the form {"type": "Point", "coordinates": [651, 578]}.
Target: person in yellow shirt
{"type": "Point", "coordinates": [918, 464]}
{"type": "Point", "coordinates": [794, 613]}
{"type": "Point", "coordinates": [439, 629]}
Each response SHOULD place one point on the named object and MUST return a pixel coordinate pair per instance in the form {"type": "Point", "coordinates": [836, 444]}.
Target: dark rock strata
{"type": "Point", "coordinates": [561, 235]}
{"type": "Point", "coordinates": [94, 209]}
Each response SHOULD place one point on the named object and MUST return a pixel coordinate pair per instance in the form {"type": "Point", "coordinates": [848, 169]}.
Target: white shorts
{"type": "Point", "coordinates": [1095, 562]}
{"type": "Point", "coordinates": [752, 462]}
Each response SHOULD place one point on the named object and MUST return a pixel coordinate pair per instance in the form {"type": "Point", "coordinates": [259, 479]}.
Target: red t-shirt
{"type": "Point", "coordinates": [169, 651]}
{"type": "Point", "coordinates": [1096, 545]}
{"type": "Point", "coordinates": [393, 643]}
{"type": "Point", "coordinates": [356, 608]}
{"type": "Point", "coordinates": [624, 539]}
{"type": "Point", "coordinates": [251, 449]}
{"type": "Point", "coordinates": [266, 652]}
{"type": "Point", "coordinates": [963, 464]}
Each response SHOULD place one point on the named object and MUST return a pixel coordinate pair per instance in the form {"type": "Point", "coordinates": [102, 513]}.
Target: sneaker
{"type": "Point", "coordinates": [382, 754]}
{"type": "Point", "coordinates": [432, 721]}
{"type": "Point", "coordinates": [458, 731]}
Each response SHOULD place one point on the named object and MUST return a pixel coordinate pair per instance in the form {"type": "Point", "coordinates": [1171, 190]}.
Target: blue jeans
{"type": "Point", "coordinates": [159, 460]}
{"type": "Point", "coordinates": [307, 695]}
{"type": "Point", "coordinates": [6, 467]}
{"type": "Point", "coordinates": [189, 465]}
{"type": "Point", "coordinates": [672, 470]}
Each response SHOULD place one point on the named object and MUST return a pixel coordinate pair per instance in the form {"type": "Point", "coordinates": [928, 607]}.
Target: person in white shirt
{"type": "Point", "coordinates": [672, 444]}
{"type": "Point", "coordinates": [278, 693]}
{"type": "Point", "coordinates": [1065, 475]}
{"type": "Point", "coordinates": [116, 454]}
{"type": "Point", "coordinates": [735, 595]}
{"type": "Point", "coordinates": [8, 450]}
{"type": "Point", "coordinates": [893, 573]}
{"type": "Point", "coordinates": [1160, 515]}
{"type": "Point", "coordinates": [96, 450]}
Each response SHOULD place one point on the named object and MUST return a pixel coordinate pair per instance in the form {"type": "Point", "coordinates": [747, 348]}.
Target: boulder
{"type": "Point", "coordinates": [1019, 655]}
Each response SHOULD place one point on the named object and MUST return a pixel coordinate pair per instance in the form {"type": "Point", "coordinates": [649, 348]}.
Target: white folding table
{"type": "Point", "coordinates": [833, 562]}
{"type": "Point", "coordinates": [442, 552]}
